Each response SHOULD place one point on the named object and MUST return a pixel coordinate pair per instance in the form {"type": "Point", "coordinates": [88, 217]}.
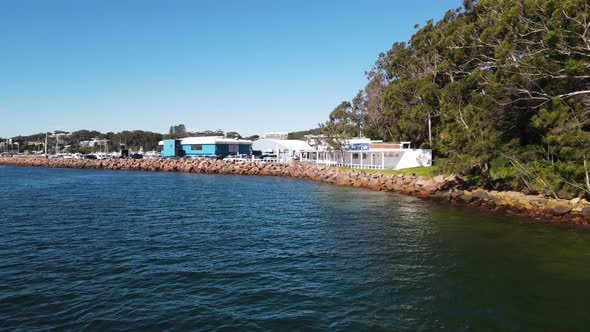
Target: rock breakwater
{"type": "Point", "coordinates": [450, 189]}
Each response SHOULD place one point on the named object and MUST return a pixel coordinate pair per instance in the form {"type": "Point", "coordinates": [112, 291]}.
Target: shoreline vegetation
{"type": "Point", "coordinates": [452, 189]}
{"type": "Point", "coordinates": [498, 89]}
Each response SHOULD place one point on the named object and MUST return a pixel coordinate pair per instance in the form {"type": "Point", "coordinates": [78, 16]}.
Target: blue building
{"type": "Point", "coordinates": [209, 146]}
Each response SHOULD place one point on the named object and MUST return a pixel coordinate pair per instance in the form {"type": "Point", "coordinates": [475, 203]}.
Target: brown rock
{"type": "Point", "coordinates": [518, 205]}
{"type": "Point", "coordinates": [455, 194]}
{"type": "Point", "coordinates": [375, 185]}
{"type": "Point", "coordinates": [561, 210]}
{"type": "Point", "coordinates": [539, 201]}
{"type": "Point", "coordinates": [421, 181]}
{"type": "Point", "coordinates": [481, 195]}
{"type": "Point", "coordinates": [466, 198]}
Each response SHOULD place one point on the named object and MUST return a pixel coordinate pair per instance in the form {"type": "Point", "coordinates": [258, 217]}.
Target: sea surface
{"type": "Point", "coordinates": [114, 250]}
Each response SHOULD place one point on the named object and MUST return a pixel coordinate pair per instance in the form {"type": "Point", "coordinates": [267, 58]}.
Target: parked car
{"type": "Point", "coordinates": [267, 157]}
{"type": "Point", "coordinates": [136, 156]}
{"type": "Point", "coordinates": [235, 158]}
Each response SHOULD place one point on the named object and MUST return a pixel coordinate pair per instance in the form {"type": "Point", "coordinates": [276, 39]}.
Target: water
{"type": "Point", "coordinates": [96, 250]}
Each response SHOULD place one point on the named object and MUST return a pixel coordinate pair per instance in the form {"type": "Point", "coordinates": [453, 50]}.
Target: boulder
{"type": "Point", "coordinates": [561, 210]}
{"type": "Point", "coordinates": [421, 181]}
{"type": "Point", "coordinates": [466, 198]}
{"type": "Point", "coordinates": [481, 195]}
{"type": "Point", "coordinates": [452, 181]}
{"type": "Point", "coordinates": [375, 185]}
{"type": "Point", "coordinates": [519, 205]}
{"type": "Point", "coordinates": [438, 179]}
{"type": "Point", "coordinates": [540, 201]}
{"type": "Point", "coordinates": [491, 203]}
{"type": "Point", "coordinates": [423, 194]}
{"type": "Point", "coordinates": [430, 186]}
{"type": "Point", "coordinates": [455, 194]}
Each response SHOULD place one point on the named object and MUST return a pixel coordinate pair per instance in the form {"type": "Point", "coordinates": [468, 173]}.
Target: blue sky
{"type": "Point", "coordinates": [251, 66]}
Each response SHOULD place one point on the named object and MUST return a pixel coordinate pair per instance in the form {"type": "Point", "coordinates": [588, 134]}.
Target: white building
{"type": "Point", "coordinates": [364, 153]}
{"type": "Point", "coordinates": [281, 148]}
{"type": "Point", "coordinates": [95, 142]}
{"type": "Point", "coordinates": [280, 135]}
{"type": "Point", "coordinates": [317, 142]}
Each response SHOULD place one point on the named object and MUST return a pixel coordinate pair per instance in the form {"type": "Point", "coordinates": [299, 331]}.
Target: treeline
{"type": "Point", "coordinates": [300, 135]}
{"type": "Point", "coordinates": [180, 131]}
{"type": "Point", "coordinates": [73, 142]}
{"type": "Point", "coordinates": [499, 89]}
{"type": "Point", "coordinates": [76, 141]}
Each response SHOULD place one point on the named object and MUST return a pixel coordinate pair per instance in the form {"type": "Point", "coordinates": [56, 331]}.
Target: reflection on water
{"type": "Point", "coordinates": [135, 250]}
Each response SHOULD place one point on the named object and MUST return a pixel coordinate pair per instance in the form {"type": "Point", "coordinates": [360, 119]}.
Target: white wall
{"type": "Point", "coordinates": [413, 158]}
{"type": "Point", "coordinates": [290, 147]}
{"type": "Point", "coordinates": [394, 158]}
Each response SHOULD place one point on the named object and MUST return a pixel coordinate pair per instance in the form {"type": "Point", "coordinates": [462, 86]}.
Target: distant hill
{"type": "Point", "coordinates": [301, 134]}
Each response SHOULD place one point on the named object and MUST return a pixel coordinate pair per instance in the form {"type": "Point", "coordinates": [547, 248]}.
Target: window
{"type": "Point", "coordinates": [196, 147]}
{"type": "Point", "coordinates": [355, 156]}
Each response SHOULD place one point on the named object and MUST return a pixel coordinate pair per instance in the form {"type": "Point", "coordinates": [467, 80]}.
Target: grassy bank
{"type": "Point", "coordinates": [418, 171]}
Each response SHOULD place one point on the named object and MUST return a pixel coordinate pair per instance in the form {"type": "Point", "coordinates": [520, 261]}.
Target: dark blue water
{"type": "Point", "coordinates": [108, 250]}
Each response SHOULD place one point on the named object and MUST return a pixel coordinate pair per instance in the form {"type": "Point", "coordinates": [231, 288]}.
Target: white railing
{"type": "Point", "coordinates": [364, 166]}
{"type": "Point", "coordinates": [337, 163]}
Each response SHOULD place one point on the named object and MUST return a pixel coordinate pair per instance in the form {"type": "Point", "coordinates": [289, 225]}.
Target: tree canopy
{"type": "Point", "coordinates": [499, 89]}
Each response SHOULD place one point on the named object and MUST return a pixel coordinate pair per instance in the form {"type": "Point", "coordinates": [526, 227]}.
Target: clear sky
{"type": "Point", "coordinates": [251, 66]}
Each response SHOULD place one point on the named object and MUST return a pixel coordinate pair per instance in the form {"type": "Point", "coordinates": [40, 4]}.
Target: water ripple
{"type": "Point", "coordinates": [102, 250]}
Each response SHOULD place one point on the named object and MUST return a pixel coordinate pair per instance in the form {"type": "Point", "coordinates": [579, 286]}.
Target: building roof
{"type": "Point", "coordinates": [214, 140]}
{"type": "Point", "coordinates": [275, 135]}
{"type": "Point", "coordinates": [283, 144]}
{"type": "Point", "coordinates": [211, 140]}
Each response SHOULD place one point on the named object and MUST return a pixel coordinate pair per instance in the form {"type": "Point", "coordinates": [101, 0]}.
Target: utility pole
{"type": "Point", "coordinates": [429, 131]}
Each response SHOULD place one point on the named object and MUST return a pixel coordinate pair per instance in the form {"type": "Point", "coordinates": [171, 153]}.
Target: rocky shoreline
{"type": "Point", "coordinates": [450, 189]}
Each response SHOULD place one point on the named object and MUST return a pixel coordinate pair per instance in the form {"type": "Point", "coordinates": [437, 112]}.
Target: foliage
{"type": "Point", "coordinates": [72, 142]}
{"type": "Point", "coordinates": [107, 142]}
{"type": "Point", "coordinates": [134, 140]}
{"type": "Point", "coordinates": [233, 134]}
{"type": "Point", "coordinates": [499, 89]}
{"type": "Point", "coordinates": [342, 125]}
{"type": "Point", "coordinates": [428, 172]}
{"type": "Point", "coordinates": [217, 132]}
{"type": "Point", "coordinates": [178, 131]}
{"type": "Point", "coordinates": [252, 138]}
{"type": "Point", "coordinates": [301, 134]}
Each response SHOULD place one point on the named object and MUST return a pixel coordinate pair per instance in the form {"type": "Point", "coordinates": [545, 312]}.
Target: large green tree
{"type": "Point", "coordinates": [341, 126]}
{"type": "Point", "coordinates": [500, 89]}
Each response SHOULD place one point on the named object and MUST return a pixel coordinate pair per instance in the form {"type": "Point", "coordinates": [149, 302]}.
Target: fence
{"type": "Point", "coordinates": [371, 159]}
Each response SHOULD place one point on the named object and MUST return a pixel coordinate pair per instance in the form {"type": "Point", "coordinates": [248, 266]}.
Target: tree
{"type": "Point", "coordinates": [468, 4]}
{"type": "Point", "coordinates": [252, 138]}
{"type": "Point", "coordinates": [500, 89]}
{"type": "Point", "coordinates": [340, 127]}
{"type": "Point", "coordinates": [359, 111]}
{"type": "Point", "coordinates": [178, 131]}
{"type": "Point", "coordinates": [233, 134]}
{"type": "Point", "coordinates": [217, 132]}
